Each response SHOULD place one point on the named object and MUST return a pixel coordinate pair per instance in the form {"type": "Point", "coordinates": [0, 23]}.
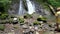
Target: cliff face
{"type": "Point", "coordinates": [14, 7]}
{"type": "Point", "coordinates": [39, 8]}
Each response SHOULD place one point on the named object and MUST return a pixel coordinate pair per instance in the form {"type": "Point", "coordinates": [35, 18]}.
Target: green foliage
{"type": "Point", "coordinates": [4, 5]}
{"type": "Point", "coordinates": [2, 27]}
{"type": "Point", "coordinates": [3, 16]}
{"type": "Point", "coordinates": [54, 3]}
{"type": "Point", "coordinates": [36, 23]}
{"type": "Point", "coordinates": [21, 20]}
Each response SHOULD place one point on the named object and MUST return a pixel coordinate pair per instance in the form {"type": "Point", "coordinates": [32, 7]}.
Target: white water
{"type": "Point", "coordinates": [31, 7]}
{"type": "Point", "coordinates": [20, 8]}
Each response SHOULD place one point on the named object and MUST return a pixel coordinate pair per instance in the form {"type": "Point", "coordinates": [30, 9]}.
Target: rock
{"type": "Point", "coordinates": [15, 19]}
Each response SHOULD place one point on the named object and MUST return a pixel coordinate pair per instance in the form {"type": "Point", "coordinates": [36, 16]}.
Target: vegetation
{"type": "Point", "coordinates": [41, 19]}
{"type": "Point", "coordinates": [27, 16]}
{"type": "Point", "coordinates": [36, 23]}
{"type": "Point", "coordinates": [3, 16]}
{"type": "Point", "coordinates": [4, 5]}
{"type": "Point", "coordinates": [54, 3]}
{"type": "Point", "coordinates": [2, 27]}
{"type": "Point", "coordinates": [7, 19]}
{"type": "Point", "coordinates": [21, 20]}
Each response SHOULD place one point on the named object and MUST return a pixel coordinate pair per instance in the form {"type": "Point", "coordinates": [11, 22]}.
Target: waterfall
{"type": "Point", "coordinates": [21, 9]}
{"type": "Point", "coordinates": [31, 7]}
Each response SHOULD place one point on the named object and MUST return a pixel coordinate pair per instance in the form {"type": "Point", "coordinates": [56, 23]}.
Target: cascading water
{"type": "Point", "coordinates": [31, 7]}
{"type": "Point", "coordinates": [21, 8]}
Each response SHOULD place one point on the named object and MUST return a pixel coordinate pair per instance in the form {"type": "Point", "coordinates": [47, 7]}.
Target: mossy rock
{"type": "Point", "coordinates": [27, 16]}
{"type": "Point", "coordinates": [41, 19]}
{"type": "Point", "coordinates": [21, 20]}
{"type": "Point", "coordinates": [36, 23]}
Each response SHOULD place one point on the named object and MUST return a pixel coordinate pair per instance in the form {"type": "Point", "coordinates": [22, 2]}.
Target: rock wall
{"type": "Point", "coordinates": [14, 7]}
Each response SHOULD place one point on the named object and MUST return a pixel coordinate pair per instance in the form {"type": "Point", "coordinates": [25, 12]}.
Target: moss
{"type": "Point", "coordinates": [27, 16]}
{"type": "Point", "coordinates": [41, 19]}
{"type": "Point", "coordinates": [2, 27]}
{"type": "Point", "coordinates": [21, 20]}
{"type": "Point", "coordinates": [36, 23]}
